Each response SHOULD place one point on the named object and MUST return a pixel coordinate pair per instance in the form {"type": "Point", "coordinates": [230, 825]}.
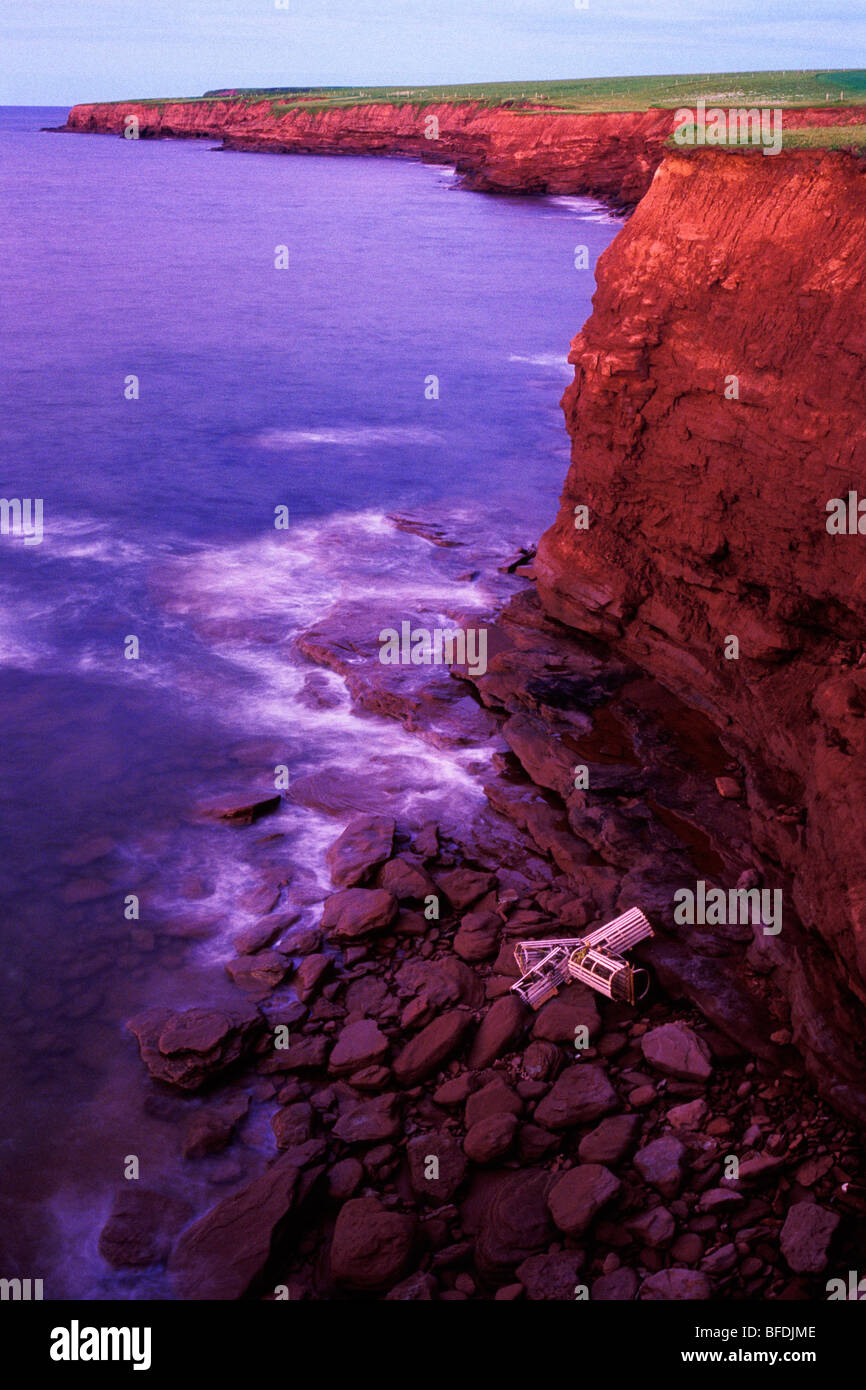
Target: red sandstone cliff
{"type": "Point", "coordinates": [611, 156]}
{"type": "Point", "coordinates": [708, 515]}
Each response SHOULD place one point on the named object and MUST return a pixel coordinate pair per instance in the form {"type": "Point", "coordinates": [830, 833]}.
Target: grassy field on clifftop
{"type": "Point", "coordinates": [785, 89]}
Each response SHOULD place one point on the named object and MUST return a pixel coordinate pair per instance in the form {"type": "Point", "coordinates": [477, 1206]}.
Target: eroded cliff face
{"type": "Point", "coordinates": [611, 156]}
{"type": "Point", "coordinates": [708, 519]}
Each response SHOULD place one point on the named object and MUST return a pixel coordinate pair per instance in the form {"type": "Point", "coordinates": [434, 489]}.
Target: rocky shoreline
{"type": "Point", "coordinates": [435, 1139]}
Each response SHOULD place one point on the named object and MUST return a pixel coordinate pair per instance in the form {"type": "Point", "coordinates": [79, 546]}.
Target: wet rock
{"type": "Point", "coordinates": [185, 1049]}
{"type": "Point", "coordinates": [222, 1253]}
{"type": "Point", "coordinates": [240, 812]}
{"type": "Point", "coordinates": [369, 1121]}
{"type": "Point", "coordinates": [498, 1030]}
{"type": "Point", "coordinates": [366, 842]}
{"type": "Point", "coordinates": [806, 1235]}
{"type": "Point", "coordinates": [441, 1157]}
{"type": "Point", "coordinates": [579, 1195]}
{"type": "Point", "coordinates": [490, 1138]}
{"type": "Point", "coordinates": [293, 1125]}
{"type": "Point", "coordinates": [582, 1093]}
{"type": "Point", "coordinates": [359, 1045]}
{"type": "Point", "coordinates": [610, 1141]}
{"type": "Point", "coordinates": [371, 1245]}
{"type": "Point", "coordinates": [309, 974]}
{"type": "Point", "coordinates": [675, 1050]}
{"type": "Point", "coordinates": [550, 1277]}
{"type": "Point", "coordinates": [358, 912]}
{"type": "Point", "coordinates": [305, 1054]}
{"type": "Point", "coordinates": [426, 1052]}
{"type": "Point", "coordinates": [209, 1131]}
{"type": "Point", "coordinates": [141, 1227]}
{"type": "Point", "coordinates": [257, 975]}
{"type": "Point", "coordinates": [660, 1163]}
{"type": "Point", "coordinates": [675, 1284]}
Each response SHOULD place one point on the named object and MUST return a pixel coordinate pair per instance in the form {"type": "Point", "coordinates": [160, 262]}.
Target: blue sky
{"type": "Point", "coordinates": [63, 51]}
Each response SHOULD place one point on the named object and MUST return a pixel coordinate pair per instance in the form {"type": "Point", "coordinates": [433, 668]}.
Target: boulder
{"type": "Point", "coordinates": [366, 842]}
{"type": "Point", "coordinates": [371, 1245]}
{"type": "Point", "coordinates": [359, 1045]}
{"type": "Point", "coordinates": [437, 1181]}
{"type": "Point", "coordinates": [219, 1256]}
{"type": "Point", "coordinates": [806, 1235]}
{"type": "Point", "coordinates": [358, 912]}
{"type": "Point", "coordinates": [490, 1138]}
{"type": "Point", "coordinates": [141, 1227]}
{"type": "Point", "coordinates": [578, 1196]}
{"type": "Point", "coordinates": [582, 1093]}
{"type": "Point", "coordinates": [610, 1141]}
{"type": "Point", "coordinates": [499, 1028]}
{"type": "Point", "coordinates": [426, 1052]}
{"type": "Point", "coordinates": [186, 1049]}
{"type": "Point", "coordinates": [675, 1050]}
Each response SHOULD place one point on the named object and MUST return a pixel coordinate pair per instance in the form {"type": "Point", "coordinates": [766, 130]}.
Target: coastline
{"type": "Point", "coordinates": [656, 819]}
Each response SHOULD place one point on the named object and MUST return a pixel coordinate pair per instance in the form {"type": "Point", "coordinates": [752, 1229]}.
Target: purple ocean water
{"type": "Point", "coordinates": [258, 388]}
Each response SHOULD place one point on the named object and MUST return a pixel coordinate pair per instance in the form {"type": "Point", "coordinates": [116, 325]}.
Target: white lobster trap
{"type": "Point", "coordinates": [596, 959]}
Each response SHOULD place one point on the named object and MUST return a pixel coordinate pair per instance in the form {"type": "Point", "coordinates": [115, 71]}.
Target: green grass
{"type": "Point", "coordinates": [785, 89]}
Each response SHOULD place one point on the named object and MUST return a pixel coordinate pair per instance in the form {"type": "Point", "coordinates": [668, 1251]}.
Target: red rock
{"type": "Point", "coordinates": [305, 1054]}
{"type": "Point", "coordinates": [515, 1222]}
{"type": "Point", "coordinates": [344, 1178]}
{"type": "Point", "coordinates": [371, 1245]}
{"type": "Point", "coordinates": [610, 1141]}
{"type": "Point", "coordinates": [292, 1125]}
{"type": "Point", "coordinates": [557, 1019]}
{"type": "Point", "coordinates": [490, 1138]}
{"type": "Point", "coordinates": [222, 1253]}
{"type": "Point", "coordinates": [426, 1052]}
{"type": "Point", "coordinates": [141, 1227]}
{"type": "Point", "coordinates": [463, 887]}
{"type": "Point", "coordinates": [676, 1284]}
{"type": "Point", "coordinates": [259, 974]}
{"type": "Point", "coordinates": [582, 1093]}
{"type": "Point", "coordinates": [366, 842]}
{"type": "Point", "coordinates": [243, 812]}
{"type": "Point", "coordinates": [186, 1049]}
{"type": "Point", "coordinates": [450, 1161]}
{"type": "Point", "coordinates": [806, 1235]}
{"type": "Point", "coordinates": [499, 1028]}
{"type": "Point", "coordinates": [496, 1098]}
{"type": "Point", "coordinates": [551, 1277]}
{"type": "Point", "coordinates": [654, 1228]}
{"type": "Point", "coordinates": [541, 1061]}
{"type": "Point", "coordinates": [359, 1044]}
{"type": "Point", "coordinates": [618, 1287]}
{"type": "Point", "coordinates": [369, 1121]}
{"type": "Point", "coordinates": [675, 1050]}
{"type": "Point", "coordinates": [358, 912]}
{"type": "Point", "coordinates": [660, 1163]}
{"type": "Point", "coordinates": [309, 974]}
{"type": "Point", "coordinates": [579, 1195]}
{"type": "Point", "coordinates": [418, 1288]}
{"type": "Point", "coordinates": [406, 880]}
